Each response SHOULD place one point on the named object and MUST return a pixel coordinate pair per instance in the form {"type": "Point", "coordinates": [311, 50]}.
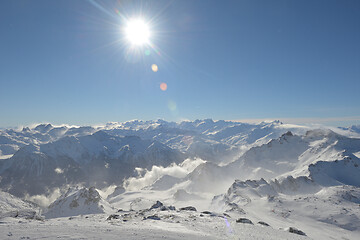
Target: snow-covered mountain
{"type": "Point", "coordinates": [67, 155]}
{"type": "Point", "coordinates": [60, 155]}
{"type": "Point", "coordinates": [323, 155]}
{"type": "Point", "coordinates": [310, 180]}
{"type": "Point", "coordinates": [98, 159]}
{"type": "Point", "coordinates": [287, 176]}
{"type": "Point", "coordinates": [322, 212]}
{"type": "Point", "coordinates": [353, 128]}
{"type": "Point", "coordinates": [176, 135]}
{"type": "Point", "coordinates": [78, 202]}
{"type": "Point", "coordinates": [11, 140]}
{"type": "Point", "coordinates": [13, 207]}
{"type": "Point", "coordinates": [10, 203]}
{"type": "Point", "coordinates": [206, 132]}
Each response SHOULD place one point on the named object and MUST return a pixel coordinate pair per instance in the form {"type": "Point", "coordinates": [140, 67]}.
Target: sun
{"type": "Point", "coordinates": [137, 32]}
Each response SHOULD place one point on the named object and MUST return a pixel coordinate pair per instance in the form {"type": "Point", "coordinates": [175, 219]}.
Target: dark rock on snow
{"type": "Point", "coordinates": [226, 215]}
{"type": "Point", "coordinates": [189, 208]}
{"type": "Point", "coordinates": [244, 220]}
{"type": "Point", "coordinates": [296, 231]}
{"type": "Point", "coordinates": [263, 223]}
{"type": "Point", "coordinates": [206, 212]}
{"type": "Point", "coordinates": [158, 204]}
{"type": "Point", "coordinates": [113, 216]}
{"type": "Point", "coordinates": [165, 208]}
{"type": "Point", "coordinates": [152, 217]}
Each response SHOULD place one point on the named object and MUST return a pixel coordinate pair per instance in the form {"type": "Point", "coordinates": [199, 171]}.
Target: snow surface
{"type": "Point", "coordinates": [174, 226]}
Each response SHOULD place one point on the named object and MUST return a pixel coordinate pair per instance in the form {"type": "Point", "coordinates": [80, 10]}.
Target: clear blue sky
{"type": "Point", "coordinates": [66, 61]}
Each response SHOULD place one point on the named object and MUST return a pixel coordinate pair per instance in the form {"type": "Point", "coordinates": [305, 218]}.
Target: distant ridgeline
{"type": "Point", "coordinates": [36, 160]}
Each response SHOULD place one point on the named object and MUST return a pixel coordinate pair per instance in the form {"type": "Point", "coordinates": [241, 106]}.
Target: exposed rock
{"type": "Point", "coordinates": [158, 204]}
{"type": "Point", "coordinates": [152, 217]}
{"type": "Point", "coordinates": [74, 204]}
{"type": "Point", "coordinates": [207, 212]}
{"type": "Point", "coordinates": [233, 207]}
{"type": "Point", "coordinates": [296, 231]}
{"type": "Point", "coordinates": [165, 208]}
{"type": "Point", "coordinates": [210, 213]}
{"type": "Point", "coordinates": [113, 216]}
{"type": "Point", "coordinates": [244, 220]}
{"type": "Point", "coordinates": [264, 223]}
{"type": "Point", "coordinates": [226, 215]}
{"type": "Point", "coordinates": [189, 208]}
{"type": "Point", "coordinates": [288, 133]}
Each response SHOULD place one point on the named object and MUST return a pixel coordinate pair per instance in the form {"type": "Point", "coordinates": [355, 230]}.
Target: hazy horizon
{"type": "Point", "coordinates": [321, 122]}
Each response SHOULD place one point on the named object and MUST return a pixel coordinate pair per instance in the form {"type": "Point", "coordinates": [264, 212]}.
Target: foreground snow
{"type": "Point", "coordinates": [177, 225]}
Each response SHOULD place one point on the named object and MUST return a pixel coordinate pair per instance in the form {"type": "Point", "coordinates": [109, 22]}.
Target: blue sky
{"type": "Point", "coordinates": [67, 61]}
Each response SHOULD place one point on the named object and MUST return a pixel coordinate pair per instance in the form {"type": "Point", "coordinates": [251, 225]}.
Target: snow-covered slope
{"type": "Point", "coordinates": [78, 202]}
{"type": "Point", "coordinates": [10, 203]}
{"type": "Point", "coordinates": [13, 207]}
{"type": "Point", "coordinates": [355, 129]}
{"type": "Point", "coordinates": [321, 212]}
{"type": "Point", "coordinates": [326, 157]}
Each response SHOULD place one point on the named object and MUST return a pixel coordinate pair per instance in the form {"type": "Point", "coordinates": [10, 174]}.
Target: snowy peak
{"type": "Point", "coordinates": [320, 134]}
{"type": "Point", "coordinates": [353, 128]}
{"type": "Point", "coordinates": [78, 202]}
{"type": "Point", "coordinates": [250, 188]}
{"type": "Point", "coordinates": [43, 128]}
{"type": "Point", "coordinates": [270, 160]}
{"type": "Point", "coordinates": [84, 149]}
{"type": "Point", "coordinates": [293, 154]}
{"type": "Point", "coordinates": [242, 193]}
{"type": "Point", "coordinates": [101, 136]}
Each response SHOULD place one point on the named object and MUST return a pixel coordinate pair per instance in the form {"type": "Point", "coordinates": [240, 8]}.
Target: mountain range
{"type": "Point", "coordinates": [271, 171]}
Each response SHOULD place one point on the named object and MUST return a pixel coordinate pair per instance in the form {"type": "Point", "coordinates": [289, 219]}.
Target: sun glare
{"type": "Point", "coordinates": [137, 32]}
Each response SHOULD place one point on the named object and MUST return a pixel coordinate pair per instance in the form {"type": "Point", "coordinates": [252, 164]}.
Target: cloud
{"type": "Point", "coordinates": [59, 170]}
{"type": "Point", "coordinates": [44, 200]}
{"type": "Point", "coordinates": [148, 177]}
{"type": "Point", "coordinates": [105, 192]}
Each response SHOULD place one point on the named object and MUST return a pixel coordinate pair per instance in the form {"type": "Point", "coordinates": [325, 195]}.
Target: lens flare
{"type": "Point", "coordinates": [155, 49]}
{"type": "Point", "coordinates": [228, 225]}
{"type": "Point", "coordinates": [154, 67]}
{"type": "Point", "coordinates": [172, 105]}
{"type": "Point", "coordinates": [163, 86]}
